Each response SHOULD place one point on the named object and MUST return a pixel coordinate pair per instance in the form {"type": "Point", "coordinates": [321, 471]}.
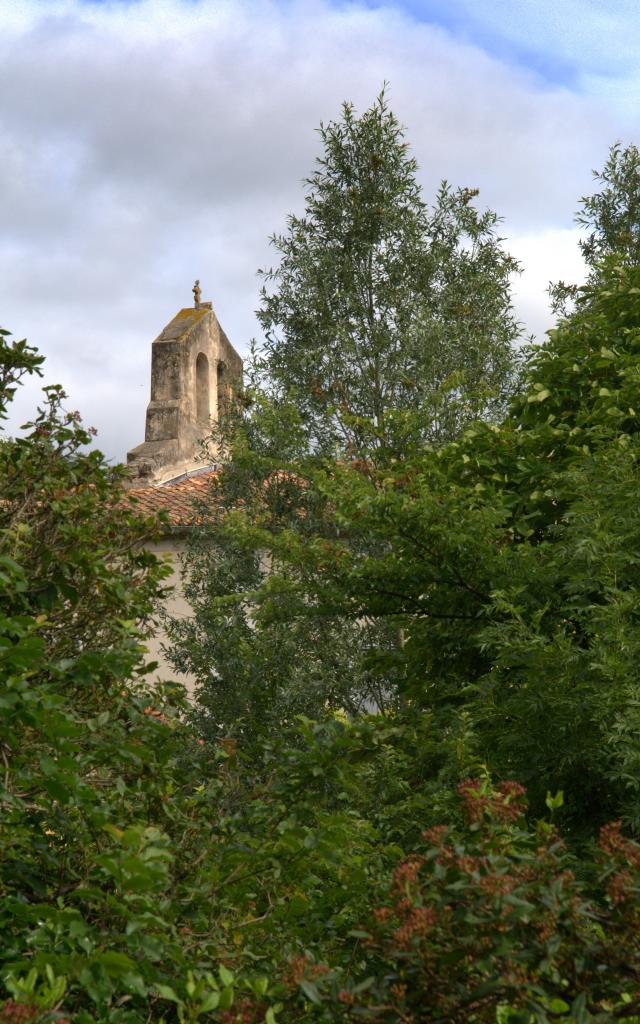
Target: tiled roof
{"type": "Point", "coordinates": [176, 498]}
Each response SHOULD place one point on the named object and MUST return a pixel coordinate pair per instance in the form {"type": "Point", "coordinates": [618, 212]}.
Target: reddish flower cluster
{"type": "Point", "coordinates": [301, 968]}
{"type": "Point", "coordinates": [435, 835]}
{"type": "Point", "coordinates": [244, 1012]}
{"type": "Point", "coordinates": [17, 1013]}
{"type": "Point", "coordinates": [158, 715]}
{"type": "Point", "coordinates": [346, 997]}
{"type": "Point", "coordinates": [621, 886]}
{"type": "Point", "coordinates": [296, 970]}
{"type": "Point", "coordinates": [407, 872]}
{"type": "Point", "coordinates": [612, 842]}
{"type": "Point", "coordinates": [498, 885]}
{"type": "Point", "coordinates": [416, 921]}
{"type": "Point", "coordinates": [410, 919]}
{"type": "Point", "coordinates": [625, 854]}
{"type": "Point", "coordinates": [505, 803]}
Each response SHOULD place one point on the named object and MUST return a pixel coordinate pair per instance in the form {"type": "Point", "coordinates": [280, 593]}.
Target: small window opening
{"type": "Point", "coordinates": [202, 388]}
{"type": "Point", "coordinates": [222, 388]}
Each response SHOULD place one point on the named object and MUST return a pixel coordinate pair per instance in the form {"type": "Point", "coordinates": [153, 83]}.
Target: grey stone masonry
{"type": "Point", "coordinates": [194, 372]}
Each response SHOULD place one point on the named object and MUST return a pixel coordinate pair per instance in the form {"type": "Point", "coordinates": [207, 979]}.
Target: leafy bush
{"type": "Point", "coordinates": [97, 806]}
{"type": "Point", "coordinates": [350, 868]}
{"type": "Point", "coordinates": [492, 922]}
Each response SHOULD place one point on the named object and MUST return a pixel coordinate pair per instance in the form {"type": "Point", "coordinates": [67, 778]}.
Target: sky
{"type": "Point", "coordinates": [149, 142]}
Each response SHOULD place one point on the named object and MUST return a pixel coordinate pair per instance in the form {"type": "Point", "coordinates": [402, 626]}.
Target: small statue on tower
{"type": "Point", "coordinates": [196, 294]}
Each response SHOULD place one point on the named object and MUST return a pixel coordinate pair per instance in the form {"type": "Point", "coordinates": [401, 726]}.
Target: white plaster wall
{"type": "Point", "coordinates": [170, 549]}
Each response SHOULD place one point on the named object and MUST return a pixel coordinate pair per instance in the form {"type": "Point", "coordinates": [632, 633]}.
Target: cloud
{"type": "Point", "coordinates": [548, 255]}
{"type": "Point", "coordinates": [149, 143]}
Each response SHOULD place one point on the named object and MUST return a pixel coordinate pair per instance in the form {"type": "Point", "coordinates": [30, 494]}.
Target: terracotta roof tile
{"type": "Point", "coordinates": [177, 498]}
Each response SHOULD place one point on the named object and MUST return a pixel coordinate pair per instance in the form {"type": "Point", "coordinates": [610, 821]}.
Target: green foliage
{"type": "Point", "coordinates": [613, 215]}
{"type": "Point", "coordinates": [377, 301]}
{"type": "Point", "coordinates": [96, 804]}
{"type": "Point", "coordinates": [386, 324]}
{"type": "Point", "coordinates": [244, 864]}
{"type": "Point", "coordinates": [489, 921]}
{"type": "Point", "coordinates": [261, 665]}
{"type": "Point", "coordinates": [144, 874]}
{"type": "Point", "coordinates": [492, 578]}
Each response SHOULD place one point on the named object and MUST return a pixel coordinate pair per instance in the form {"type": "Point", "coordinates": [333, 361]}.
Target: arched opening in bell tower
{"type": "Point", "coordinates": [203, 411]}
{"type": "Point", "coordinates": [222, 387]}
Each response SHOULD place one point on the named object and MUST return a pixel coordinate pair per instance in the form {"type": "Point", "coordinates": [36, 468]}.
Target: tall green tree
{"type": "Point", "coordinates": [387, 324]}
{"type": "Point", "coordinates": [378, 300]}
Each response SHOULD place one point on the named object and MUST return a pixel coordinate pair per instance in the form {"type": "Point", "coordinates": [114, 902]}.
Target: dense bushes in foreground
{"type": "Point", "coordinates": [240, 862]}
{"type": "Point", "coordinates": [337, 872]}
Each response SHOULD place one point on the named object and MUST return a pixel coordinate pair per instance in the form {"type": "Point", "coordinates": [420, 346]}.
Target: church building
{"type": "Point", "coordinates": [194, 371]}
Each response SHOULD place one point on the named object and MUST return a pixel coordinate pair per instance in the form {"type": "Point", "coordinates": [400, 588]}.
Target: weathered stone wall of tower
{"type": "Point", "coordinates": [194, 369]}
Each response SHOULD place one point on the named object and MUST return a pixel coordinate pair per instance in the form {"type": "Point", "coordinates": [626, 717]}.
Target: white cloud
{"type": "Point", "coordinates": [548, 255]}
{"type": "Point", "coordinates": [148, 144]}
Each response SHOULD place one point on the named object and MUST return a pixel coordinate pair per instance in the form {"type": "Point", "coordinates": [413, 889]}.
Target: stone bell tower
{"type": "Point", "coordinates": [194, 369]}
